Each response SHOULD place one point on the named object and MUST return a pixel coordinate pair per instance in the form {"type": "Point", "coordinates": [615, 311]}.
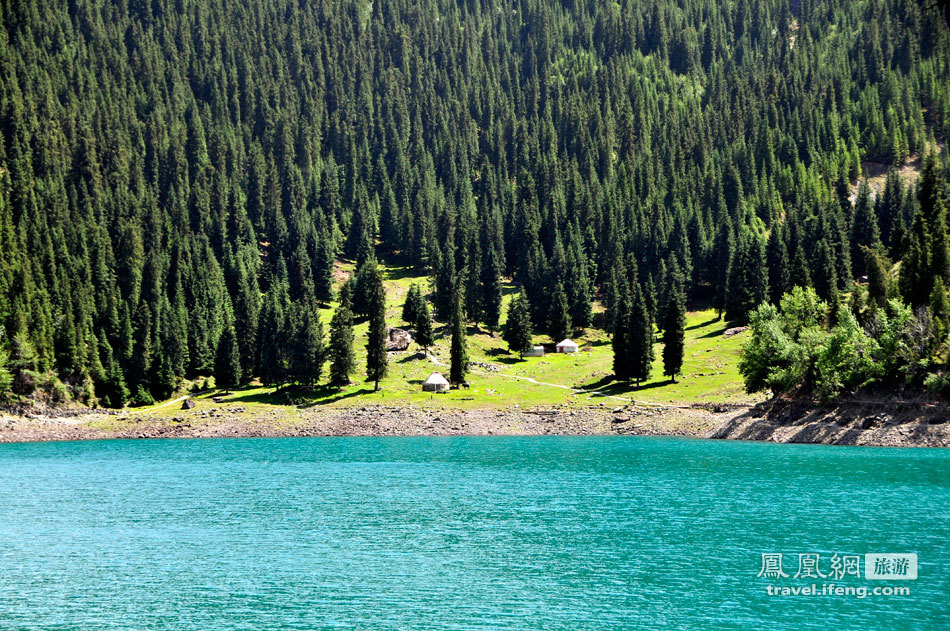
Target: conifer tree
{"type": "Point", "coordinates": [748, 279]}
{"type": "Point", "coordinates": [560, 327]}
{"type": "Point", "coordinates": [227, 362]}
{"type": "Point", "coordinates": [445, 285]}
{"type": "Point", "coordinates": [940, 310]}
{"type": "Point", "coordinates": [674, 332]}
{"type": "Point", "coordinates": [342, 359]}
{"type": "Point", "coordinates": [723, 254]}
{"type": "Point", "coordinates": [6, 378]}
{"type": "Point", "coordinates": [518, 326]}
{"type": "Point", "coordinates": [376, 357]}
{"type": "Point", "coordinates": [412, 306]}
{"type": "Point", "coordinates": [877, 277]}
{"type": "Point", "coordinates": [916, 281]}
{"type": "Point", "coordinates": [864, 229]}
{"type": "Point", "coordinates": [323, 269]}
{"type": "Point", "coordinates": [273, 345]}
{"type": "Point", "coordinates": [825, 276]}
{"type": "Point", "coordinates": [459, 351]}
{"type": "Point", "coordinates": [491, 291]}
{"type": "Point", "coordinates": [308, 353]}
{"type": "Point", "coordinates": [620, 341]}
{"type": "Point", "coordinates": [424, 333]}
{"type": "Point", "coordinates": [640, 338]}
{"type": "Point", "coordinates": [777, 255]}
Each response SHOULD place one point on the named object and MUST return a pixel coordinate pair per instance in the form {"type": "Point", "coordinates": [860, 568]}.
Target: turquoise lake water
{"type": "Point", "coordinates": [462, 533]}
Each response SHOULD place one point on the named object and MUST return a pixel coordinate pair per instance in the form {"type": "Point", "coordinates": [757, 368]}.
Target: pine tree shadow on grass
{"type": "Point", "coordinates": [419, 355]}
{"type": "Point", "coordinates": [716, 333]}
{"type": "Point", "coordinates": [339, 396]}
{"type": "Point", "coordinates": [608, 386]}
{"type": "Point", "coordinates": [702, 324]}
{"type": "Point", "coordinates": [393, 271]}
{"type": "Point", "coordinates": [318, 395]}
{"type": "Point", "coordinates": [510, 360]}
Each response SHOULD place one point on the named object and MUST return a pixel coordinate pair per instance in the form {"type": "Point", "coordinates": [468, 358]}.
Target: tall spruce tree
{"type": "Point", "coordinates": [491, 291]}
{"type": "Point", "coordinates": [376, 357]}
{"type": "Point", "coordinates": [560, 317]}
{"type": "Point", "coordinates": [723, 255]}
{"type": "Point", "coordinates": [425, 336]}
{"type": "Point", "coordinates": [674, 333]}
{"type": "Point", "coordinates": [748, 279]}
{"type": "Point", "coordinates": [459, 351]}
{"type": "Point", "coordinates": [877, 277]}
{"type": "Point", "coordinates": [778, 263]}
{"type": "Point", "coordinates": [412, 306]}
{"type": "Point", "coordinates": [639, 338]}
{"type": "Point", "coordinates": [518, 326]}
{"type": "Point", "coordinates": [342, 359]}
{"type": "Point", "coordinates": [620, 341]}
{"type": "Point", "coordinates": [864, 229]}
{"type": "Point", "coordinates": [227, 362]}
{"type": "Point", "coordinates": [308, 353]}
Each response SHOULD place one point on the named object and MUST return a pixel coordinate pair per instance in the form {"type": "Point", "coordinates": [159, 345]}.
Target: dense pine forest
{"type": "Point", "coordinates": [178, 178]}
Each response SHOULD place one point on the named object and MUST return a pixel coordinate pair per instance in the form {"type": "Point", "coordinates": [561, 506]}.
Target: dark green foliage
{"type": "Point", "coordinates": [308, 352]}
{"type": "Point", "coordinates": [674, 333]}
{"type": "Point", "coordinates": [640, 338]}
{"type": "Point", "coordinates": [864, 230]}
{"type": "Point", "coordinates": [227, 362]}
{"type": "Point", "coordinates": [518, 327]}
{"type": "Point", "coordinates": [6, 377]}
{"type": "Point", "coordinates": [623, 368]}
{"type": "Point", "coordinates": [560, 317]}
{"type": "Point", "coordinates": [412, 307]}
{"type": "Point", "coordinates": [342, 359]}
{"type": "Point", "coordinates": [748, 279]}
{"type": "Point", "coordinates": [274, 342]}
{"type": "Point", "coordinates": [445, 287]}
{"type": "Point", "coordinates": [376, 357]}
{"type": "Point", "coordinates": [491, 291]}
{"type": "Point", "coordinates": [723, 254]}
{"type": "Point", "coordinates": [163, 172]}
{"type": "Point", "coordinates": [877, 277]}
{"type": "Point", "coordinates": [425, 336]}
{"type": "Point", "coordinates": [458, 351]}
{"type": "Point", "coordinates": [367, 282]}
{"type": "Point", "coordinates": [778, 263]}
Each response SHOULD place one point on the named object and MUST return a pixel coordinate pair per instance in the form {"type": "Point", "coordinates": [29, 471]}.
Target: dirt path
{"type": "Point", "coordinates": [160, 405]}
{"type": "Point", "coordinates": [593, 393]}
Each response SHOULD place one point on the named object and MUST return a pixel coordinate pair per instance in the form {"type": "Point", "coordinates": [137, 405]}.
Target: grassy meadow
{"type": "Point", "coordinates": [499, 378]}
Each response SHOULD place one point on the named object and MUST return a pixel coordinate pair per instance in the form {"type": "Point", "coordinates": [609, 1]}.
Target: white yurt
{"type": "Point", "coordinates": [567, 346]}
{"type": "Point", "coordinates": [435, 383]}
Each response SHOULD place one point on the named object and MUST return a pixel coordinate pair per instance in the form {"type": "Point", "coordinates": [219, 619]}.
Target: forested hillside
{"type": "Point", "coordinates": [170, 169]}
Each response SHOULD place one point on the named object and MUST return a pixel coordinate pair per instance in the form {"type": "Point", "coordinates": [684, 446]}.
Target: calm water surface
{"type": "Point", "coordinates": [460, 533]}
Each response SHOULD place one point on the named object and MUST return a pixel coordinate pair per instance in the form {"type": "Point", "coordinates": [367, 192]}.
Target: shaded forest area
{"type": "Point", "coordinates": [174, 173]}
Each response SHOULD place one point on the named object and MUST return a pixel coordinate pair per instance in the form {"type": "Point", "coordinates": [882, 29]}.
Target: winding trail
{"type": "Point", "coordinates": [594, 393]}
{"type": "Point", "coordinates": [160, 405]}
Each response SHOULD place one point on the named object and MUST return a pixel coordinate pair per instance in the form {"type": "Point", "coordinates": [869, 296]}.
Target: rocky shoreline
{"type": "Point", "coordinates": [779, 420]}
{"type": "Point", "coordinates": [885, 421]}
{"type": "Point", "coordinates": [210, 420]}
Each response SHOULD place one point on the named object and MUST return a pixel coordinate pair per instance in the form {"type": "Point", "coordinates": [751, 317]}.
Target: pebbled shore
{"type": "Point", "coordinates": [850, 422]}
{"type": "Point", "coordinates": [221, 420]}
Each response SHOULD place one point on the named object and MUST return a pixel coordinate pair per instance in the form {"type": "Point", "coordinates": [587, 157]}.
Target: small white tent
{"type": "Point", "coordinates": [435, 383]}
{"type": "Point", "coordinates": [536, 351]}
{"type": "Point", "coordinates": [567, 346]}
